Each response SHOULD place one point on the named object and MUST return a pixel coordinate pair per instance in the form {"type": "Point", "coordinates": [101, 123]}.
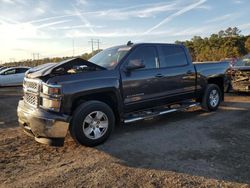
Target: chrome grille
{"type": "Point", "coordinates": [31, 99]}
{"type": "Point", "coordinates": [31, 91]}
{"type": "Point", "coordinates": [31, 85]}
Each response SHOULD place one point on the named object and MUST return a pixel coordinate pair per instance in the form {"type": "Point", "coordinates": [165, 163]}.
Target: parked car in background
{"type": "Point", "coordinates": [3, 68]}
{"type": "Point", "coordinates": [231, 61]}
{"type": "Point", "coordinates": [240, 75]}
{"type": "Point", "coordinates": [12, 76]}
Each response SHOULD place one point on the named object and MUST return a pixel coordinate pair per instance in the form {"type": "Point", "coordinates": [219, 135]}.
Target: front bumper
{"type": "Point", "coordinates": [46, 127]}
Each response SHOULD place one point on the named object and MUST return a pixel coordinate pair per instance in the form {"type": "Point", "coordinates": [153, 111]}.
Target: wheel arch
{"type": "Point", "coordinates": [111, 98]}
{"type": "Point", "coordinates": [219, 81]}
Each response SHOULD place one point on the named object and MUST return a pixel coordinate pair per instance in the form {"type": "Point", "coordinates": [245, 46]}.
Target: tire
{"type": "Point", "coordinates": [211, 98]}
{"type": "Point", "coordinates": [87, 128]}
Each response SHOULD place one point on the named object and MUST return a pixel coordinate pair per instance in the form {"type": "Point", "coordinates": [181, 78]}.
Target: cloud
{"type": "Point", "coordinates": [238, 1]}
{"type": "Point", "coordinates": [12, 32]}
{"type": "Point", "coordinates": [205, 7]}
{"type": "Point", "coordinates": [220, 18]}
{"type": "Point", "coordinates": [8, 1]}
{"type": "Point", "coordinates": [52, 23]}
{"type": "Point", "coordinates": [138, 11]}
{"type": "Point", "coordinates": [77, 27]}
{"type": "Point", "coordinates": [142, 11]}
{"type": "Point", "coordinates": [131, 33]}
{"type": "Point", "coordinates": [81, 2]}
{"type": "Point", "coordinates": [176, 14]}
{"type": "Point", "coordinates": [244, 26]}
{"type": "Point", "coordinates": [84, 20]}
{"type": "Point", "coordinates": [13, 2]}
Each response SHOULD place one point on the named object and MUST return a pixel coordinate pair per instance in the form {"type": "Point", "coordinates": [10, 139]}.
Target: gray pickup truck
{"type": "Point", "coordinates": [122, 84]}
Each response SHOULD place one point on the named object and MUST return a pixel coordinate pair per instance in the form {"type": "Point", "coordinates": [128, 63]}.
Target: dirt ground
{"type": "Point", "coordinates": [183, 149]}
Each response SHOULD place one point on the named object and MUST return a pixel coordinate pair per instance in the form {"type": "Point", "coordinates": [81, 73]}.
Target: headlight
{"type": "Point", "coordinates": [51, 97]}
{"type": "Point", "coordinates": [51, 104]}
{"type": "Point", "coordinates": [51, 89]}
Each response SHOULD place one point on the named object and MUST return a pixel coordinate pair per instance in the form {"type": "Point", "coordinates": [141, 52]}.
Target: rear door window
{"type": "Point", "coordinates": [172, 56]}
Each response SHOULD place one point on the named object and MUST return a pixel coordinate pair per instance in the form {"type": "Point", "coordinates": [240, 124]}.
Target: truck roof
{"type": "Point", "coordinates": [144, 43]}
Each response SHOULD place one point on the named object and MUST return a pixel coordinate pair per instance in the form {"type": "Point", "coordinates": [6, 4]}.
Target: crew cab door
{"type": "Point", "coordinates": [179, 75]}
{"type": "Point", "coordinates": [141, 85]}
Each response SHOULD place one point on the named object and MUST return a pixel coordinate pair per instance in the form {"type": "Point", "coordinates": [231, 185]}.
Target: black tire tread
{"type": "Point", "coordinates": [205, 103]}
{"type": "Point", "coordinates": [75, 125]}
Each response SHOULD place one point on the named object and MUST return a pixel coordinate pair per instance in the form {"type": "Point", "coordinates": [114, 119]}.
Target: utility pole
{"type": "Point", "coordinates": [12, 60]}
{"type": "Point", "coordinates": [92, 44]}
{"type": "Point", "coordinates": [95, 41]}
{"type": "Point", "coordinates": [73, 47]}
{"type": "Point", "coordinates": [98, 44]}
{"type": "Point", "coordinates": [35, 56]}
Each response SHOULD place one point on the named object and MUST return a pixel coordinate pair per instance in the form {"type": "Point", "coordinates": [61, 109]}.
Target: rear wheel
{"type": "Point", "coordinates": [211, 98]}
{"type": "Point", "coordinates": [92, 123]}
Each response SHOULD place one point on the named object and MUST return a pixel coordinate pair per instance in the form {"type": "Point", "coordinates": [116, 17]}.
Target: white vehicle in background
{"type": "Point", "coordinates": [12, 76]}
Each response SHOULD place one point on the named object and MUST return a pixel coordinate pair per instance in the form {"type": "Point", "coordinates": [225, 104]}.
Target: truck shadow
{"type": "Point", "coordinates": [214, 145]}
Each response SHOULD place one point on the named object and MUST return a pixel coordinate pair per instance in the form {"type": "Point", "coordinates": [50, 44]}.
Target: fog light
{"type": "Point", "coordinates": [51, 104]}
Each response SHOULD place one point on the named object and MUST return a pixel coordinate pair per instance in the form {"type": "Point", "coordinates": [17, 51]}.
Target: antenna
{"type": "Point", "coordinates": [130, 43]}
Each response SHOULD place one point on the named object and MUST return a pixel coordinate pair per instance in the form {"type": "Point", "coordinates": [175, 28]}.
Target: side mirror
{"type": "Point", "coordinates": [135, 64]}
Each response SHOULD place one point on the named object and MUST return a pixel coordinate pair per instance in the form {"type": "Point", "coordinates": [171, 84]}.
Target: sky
{"type": "Point", "coordinates": [64, 27]}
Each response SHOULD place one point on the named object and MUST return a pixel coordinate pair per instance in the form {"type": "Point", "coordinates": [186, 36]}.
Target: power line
{"type": "Point", "coordinates": [12, 60]}
{"type": "Point", "coordinates": [73, 47]}
{"type": "Point", "coordinates": [95, 41]}
{"type": "Point", "coordinates": [35, 56]}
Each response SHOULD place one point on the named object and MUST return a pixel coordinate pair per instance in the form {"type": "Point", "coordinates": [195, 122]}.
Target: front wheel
{"type": "Point", "coordinates": [92, 123]}
{"type": "Point", "coordinates": [211, 98]}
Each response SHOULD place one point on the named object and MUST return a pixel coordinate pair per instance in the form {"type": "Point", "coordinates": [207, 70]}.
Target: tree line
{"type": "Point", "coordinates": [33, 63]}
{"type": "Point", "coordinates": [227, 43]}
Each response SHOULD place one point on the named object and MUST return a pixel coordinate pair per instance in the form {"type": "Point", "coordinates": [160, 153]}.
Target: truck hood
{"type": "Point", "coordinates": [63, 68]}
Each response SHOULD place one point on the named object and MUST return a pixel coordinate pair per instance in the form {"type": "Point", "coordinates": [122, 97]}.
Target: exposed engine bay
{"type": "Point", "coordinates": [70, 66]}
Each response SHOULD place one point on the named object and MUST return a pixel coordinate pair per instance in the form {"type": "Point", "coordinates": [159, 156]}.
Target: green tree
{"type": "Point", "coordinates": [247, 44]}
{"type": "Point", "coordinates": [225, 44]}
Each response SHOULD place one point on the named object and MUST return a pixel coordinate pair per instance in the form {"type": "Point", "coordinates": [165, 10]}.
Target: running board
{"type": "Point", "coordinates": [154, 114]}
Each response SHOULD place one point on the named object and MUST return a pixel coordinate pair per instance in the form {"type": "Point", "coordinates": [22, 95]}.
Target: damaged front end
{"type": "Point", "coordinates": [39, 113]}
{"type": "Point", "coordinates": [69, 66]}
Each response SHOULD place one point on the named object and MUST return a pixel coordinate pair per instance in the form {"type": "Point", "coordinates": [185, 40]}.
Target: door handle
{"type": "Point", "coordinates": [159, 75]}
{"type": "Point", "coordinates": [189, 72]}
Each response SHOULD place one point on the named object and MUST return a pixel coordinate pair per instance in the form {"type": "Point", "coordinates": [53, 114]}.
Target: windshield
{"type": "Point", "coordinates": [109, 58]}
{"type": "Point", "coordinates": [243, 62]}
